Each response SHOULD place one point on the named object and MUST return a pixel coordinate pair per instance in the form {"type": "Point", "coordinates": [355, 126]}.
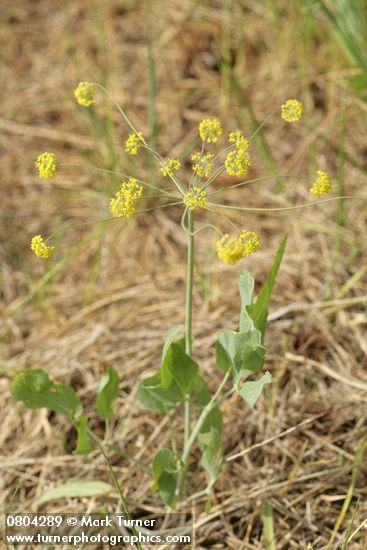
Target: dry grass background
{"type": "Point", "coordinates": [112, 292]}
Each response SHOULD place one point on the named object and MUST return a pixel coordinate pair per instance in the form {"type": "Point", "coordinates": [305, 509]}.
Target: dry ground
{"type": "Point", "coordinates": [111, 293]}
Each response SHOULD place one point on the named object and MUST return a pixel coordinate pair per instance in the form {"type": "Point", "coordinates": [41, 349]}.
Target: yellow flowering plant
{"type": "Point", "coordinates": [178, 383]}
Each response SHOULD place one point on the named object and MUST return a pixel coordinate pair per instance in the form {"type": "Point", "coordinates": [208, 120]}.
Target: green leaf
{"type": "Point", "coordinates": [156, 398]}
{"type": "Point", "coordinates": [35, 390]}
{"type": "Point", "coordinates": [76, 489]}
{"type": "Point", "coordinates": [84, 444]}
{"type": "Point", "coordinates": [179, 366]}
{"type": "Point", "coordinates": [223, 361]}
{"type": "Point", "coordinates": [243, 351]}
{"type": "Point", "coordinates": [170, 338]}
{"type": "Point", "coordinates": [172, 383]}
{"type": "Point", "coordinates": [107, 394]}
{"type": "Point", "coordinates": [164, 466]}
{"type": "Point", "coordinates": [212, 457]}
{"type": "Point", "coordinates": [167, 488]}
{"type": "Point", "coordinates": [160, 392]}
{"type": "Point", "coordinates": [163, 461]}
{"type": "Point", "coordinates": [246, 286]}
{"type": "Point", "coordinates": [211, 445]}
{"type": "Point", "coordinates": [251, 391]}
{"type": "Point", "coordinates": [201, 391]}
{"type": "Point", "coordinates": [214, 420]}
{"type": "Point", "coordinates": [259, 310]}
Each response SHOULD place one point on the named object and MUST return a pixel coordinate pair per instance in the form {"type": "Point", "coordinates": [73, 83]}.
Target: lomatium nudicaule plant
{"type": "Point", "coordinates": [178, 386]}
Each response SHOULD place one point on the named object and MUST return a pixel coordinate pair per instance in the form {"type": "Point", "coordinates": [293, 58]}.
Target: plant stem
{"type": "Point", "coordinates": [206, 410]}
{"type": "Point", "coordinates": [190, 277]}
{"type": "Point", "coordinates": [194, 434]}
{"type": "Point", "coordinates": [188, 335]}
{"type": "Point", "coordinates": [116, 483]}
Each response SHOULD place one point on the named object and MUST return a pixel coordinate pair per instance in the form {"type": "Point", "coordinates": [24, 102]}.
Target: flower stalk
{"type": "Point", "coordinates": [189, 290]}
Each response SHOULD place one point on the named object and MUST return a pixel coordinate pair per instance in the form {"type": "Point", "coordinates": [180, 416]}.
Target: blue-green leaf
{"type": "Point", "coordinates": [156, 398]}
{"type": "Point", "coordinates": [251, 391]}
{"type": "Point", "coordinates": [172, 383]}
{"type": "Point", "coordinates": [164, 460]}
{"type": "Point", "coordinates": [179, 367]}
{"type": "Point", "coordinates": [211, 445]}
{"type": "Point", "coordinates": [35, 390]}
{"type": "Point", "coordinates": [201, 391]}
{"type": "Point", "coordinates": [246, 286]}
{"type": "Point", "coordinates": [167, 489]}
{"type": "Point", "coordinates": [214, 420]}
{"type": "Point", "coordinates": [76, 489]}
{"type": "Point", "coordinates": [170, 338]}
{"type": "Point", "coordinates": [163, 470]}
{"type": "Point", "coordinates": [223, 360]}
{"type": "Point", "coordinates": [107, 394]}
{"type": "Point", "coordinates": [212, 457]}
{"type": "Point", "coordinates": [243, 351]}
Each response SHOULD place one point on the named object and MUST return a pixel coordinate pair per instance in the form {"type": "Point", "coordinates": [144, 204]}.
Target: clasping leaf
{"type": "Point", "coordinates": [164, 469]}
{"type": "Point", "coordinates": [107, 394]}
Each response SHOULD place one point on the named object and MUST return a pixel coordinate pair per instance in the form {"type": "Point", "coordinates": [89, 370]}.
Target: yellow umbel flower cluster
{"type": "Point", "coordinates": [195, 199]}
{"type": "Point", "coordinates": [169, 166]}
{"type": "Point", "coordinates": [231, 249]}
{"type": "Point", "coordinates": [40, 248]}
{"type": "Point", "coordinates": [292, 110]}
{"type": "Point", "coordinates": [238, 161]}
{"type": "Point", "coordinates": [46, 164]}
{"type": "Point", "coordinates": [84, 94]}
{"type": "Point", "coordinates": [322, 185]}
{"type": "Point", "coordinates": [123, 204]}
{"type": "Point", "coordinates": [238, 138]}
{"type": "Point", "coordinates": [210, 129]}
{"type": "Point", "coordinates": [250, 242]}
{"type": "Point", "coordinates": [202, 164]}
{"type": "Point", "coordinates": [133, 143]}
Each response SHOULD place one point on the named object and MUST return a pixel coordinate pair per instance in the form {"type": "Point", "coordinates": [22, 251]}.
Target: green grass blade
{"type": "Point", "coordinates": [268, 527]}
{"type": "Point", "coordinates": [358, 460]}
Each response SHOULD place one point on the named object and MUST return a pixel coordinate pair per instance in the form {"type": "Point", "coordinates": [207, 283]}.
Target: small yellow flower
{"type": "Point", "coordinates": [210, 129]}
{"type": "Point", "coordinates": [133, 143]}
{"type": "Point", "coordinates": [123, 204]}
{"type": "Point", "coordinates": [239, 139]}
{"type": "Point", "coordinates": [238, 162]}
{"type": "Point", "coordinates": [195, 199]}
{"type": "Point", "coordinates": [202, 164]}
{"type": "Point", "coordinates": [40, 248]}
{"type": "Point", "coordinates": [250, 242]}
{"type": "Point", "coordinates": [169, 166]}
{"type": "Point", "coordinates": [322, 185]}
{"type": "Point", "coordinates": [84, 94]}
{"type": "Point", "coordinates": [46, 164]}
{"type": "Point", "coordinates": [292, 110]}
{"type": "Point", "coordinates": [231, 249]}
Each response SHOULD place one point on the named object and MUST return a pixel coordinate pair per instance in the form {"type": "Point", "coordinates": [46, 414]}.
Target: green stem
{"type": "Point", "coordinates": [116, 483]}
{"type": "Point", "coordinates": [190, 277]}
{"type": "Point", "coordinates": [188, 334]}
{"type": "Point", "coordinates": [194, 434]}
{"type": "Point", "coordinates": [206, 410]}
